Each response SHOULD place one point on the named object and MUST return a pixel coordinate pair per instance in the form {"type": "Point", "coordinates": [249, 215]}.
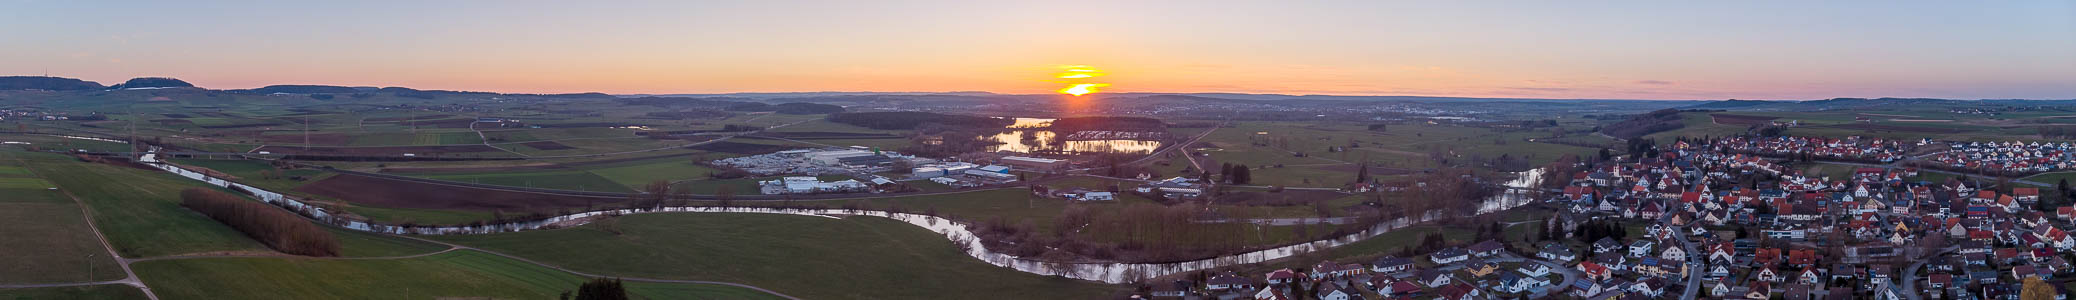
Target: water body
{"type": "Point", "coordinates": [1115, 273]}
{"type": "Point", "coordinates": [1032, 141]}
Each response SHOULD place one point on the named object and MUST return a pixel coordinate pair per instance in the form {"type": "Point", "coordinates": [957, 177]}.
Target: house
{"type": "Point", "coordinates": [1515, 282]}
{"type": "Point", "coordinates": [1595, 271]}
{"type": "Point", "coordinates": [1330, 269]}
{"type": "Point", "coordinates": [1097, 196]}
{"type": "Point", "coordinates": [1330, 291]}
{"type": "Point", "coordinates": [1229, 282]}
{"type": "Point", "coordinates": [1449, 255]}
{"type": "Point", "coordinates": [1480, 268]}
{"type": "Point", "coordinates": [1641, 248]}
{"type": "Point", "coordinates": [1179, 288]}
{"type": "Point", "coordinates": [1486, 248]}
{"type": "Point", "coordinates": [1283, 276]}
{"type": "Point", "coordinates": [1457, 291]}
{"type": "Point", "coordinates": [1271, 294]}
{"type": "Point", "coordinates": [1391, 265]}
{"type": "Point", "coordinates": [1534, 270]}
{"type": "Point", "coordinates": [1606, 245]}
{"type": "Point", "coordinates": [1767, 274]}
{"type": "Point", "coordinates": [1673, 254]}
{"type": "Point", "coordinates": [1759, 290]}
{"type": "Point", "coordinates": [1433, 278]}
{"type": "Point", "coordinates": [1556, 252]}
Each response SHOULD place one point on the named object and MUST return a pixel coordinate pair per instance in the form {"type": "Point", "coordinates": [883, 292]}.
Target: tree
{"type": "Point", "coordinates": [1362, 174]}
{"type": "Point", "coordinates": [602, 289]}
{"type": "Point", "coordinates": [2036, 289]}
{"type": "Point", "coordinates": [726, 194]}
{"type": "Point", "coordinates": [1225, 171]}
{"type": "Point", "coordinates": [1241, 175]}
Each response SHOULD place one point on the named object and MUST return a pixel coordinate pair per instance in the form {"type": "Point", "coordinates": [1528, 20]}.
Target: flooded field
{"type": "Point", "coordinates": [1041, 141]}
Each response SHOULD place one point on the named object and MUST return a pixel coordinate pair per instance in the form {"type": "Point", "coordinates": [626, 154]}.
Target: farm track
{"type": "Point", "coordinates": [131, 278]}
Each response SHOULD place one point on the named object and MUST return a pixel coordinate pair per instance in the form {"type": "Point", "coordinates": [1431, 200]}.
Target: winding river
{"type": "Point", "coordinates": [1115, 273]}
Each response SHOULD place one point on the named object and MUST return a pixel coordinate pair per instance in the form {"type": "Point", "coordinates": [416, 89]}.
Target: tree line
{"type": "Point", "coordinates": [272, 226]}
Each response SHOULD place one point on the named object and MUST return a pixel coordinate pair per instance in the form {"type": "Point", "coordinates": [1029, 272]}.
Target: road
{"type": "Point", "coordinates": [1569, 274]}
{"type": "Point", "coordinates": [1910, 278]}
{"type": "Point", "coordinates": [1693, 286]}
{"type": "Point", "coordinates": [1184, 144]}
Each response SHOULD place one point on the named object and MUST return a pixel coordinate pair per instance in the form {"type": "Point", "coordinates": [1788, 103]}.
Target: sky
{"type": "Point", "coordinates": [1541, 49]}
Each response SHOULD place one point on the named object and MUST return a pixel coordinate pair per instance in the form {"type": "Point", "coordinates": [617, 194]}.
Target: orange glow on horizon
{"type": "Point", "coordinates": [1082, 89]}
{"type": "Point", "coordinates": [1076, 76]}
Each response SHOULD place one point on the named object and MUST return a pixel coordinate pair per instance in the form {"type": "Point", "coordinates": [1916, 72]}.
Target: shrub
{"type": "Point", "coordinates": [279, 229]}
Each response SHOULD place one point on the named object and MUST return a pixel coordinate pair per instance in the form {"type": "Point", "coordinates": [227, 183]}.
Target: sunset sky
{"type": "Point", "coordinates": [1544, 49]}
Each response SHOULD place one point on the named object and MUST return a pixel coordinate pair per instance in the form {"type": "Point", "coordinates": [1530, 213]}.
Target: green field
{"type": "Point", "coordinates": [566, 180]}
{"type": "Point", "coordinates": [99, 292]}
{"type": "Point", "coordinates": [138, 210]}
{"type": "Point", "coordinates": [643, 172]}
{"type": "Point", "coordinates": [59, 143]}
{"type": "Point", "coordinates": [252, 172]}
{"type": "Point", "coordinates": [459, 274]}
{"type": "Point", "coordinates": [2050, 178]}
{"type": "Point", "coordinates": [44, 237]}
{"type": "Point", "coordinates": [797, 255]}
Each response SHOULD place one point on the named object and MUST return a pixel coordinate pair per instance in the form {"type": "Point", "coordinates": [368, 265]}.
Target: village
{"type": "Point", "coordinates": [1728, 219]}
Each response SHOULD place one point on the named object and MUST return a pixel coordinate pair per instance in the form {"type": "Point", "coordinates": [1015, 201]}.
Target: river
{"type": "Point", "coordinates": [1115, 273]}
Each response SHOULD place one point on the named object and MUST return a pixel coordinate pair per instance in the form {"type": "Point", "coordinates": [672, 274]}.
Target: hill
{"type": "Point", "coordinates": [1733, 104]}
{"type": "Point", "coordinates": [152, 82]}
{"type": "Point", "coordinates": [306, 89]}
{"type": "Point", "coordinates": [46, 83]}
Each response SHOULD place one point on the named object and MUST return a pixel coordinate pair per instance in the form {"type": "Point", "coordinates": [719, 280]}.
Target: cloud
{"type": "Point", "coordinates": [1654, 82]}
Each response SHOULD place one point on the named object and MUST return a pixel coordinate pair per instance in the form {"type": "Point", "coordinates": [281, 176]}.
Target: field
{"type": "Point", "coordinates": [138, 210]}
{"type": "Point", "coordinates": [1734, 119]}
{"type": "Point", "coordinates": [561, 180]}
{"type": "Point", "coordinates": [59, 143]}
{"type": "Point", "coordinates": [46, 236]}
{"type": "Point", "coordinates": [1266, 145]}
{"type": "Point", "coordinates": [250, 172]}
{"type": "Point", "coordinates": [380, 192]}
{"type": "Point", "coordinates": [2052, 178]}
{"type": "Point", "coordinates": [458, 274]}
{"type": "Point", "coordinates": [803, 256]}
{"type": "Point", "coordinates": [103, 292]}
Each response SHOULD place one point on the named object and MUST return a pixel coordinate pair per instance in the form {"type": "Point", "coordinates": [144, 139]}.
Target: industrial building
{"type": "Point", "coordinates": [1035, 164]}
{"type": "Point", "coordinates": [809, 185]}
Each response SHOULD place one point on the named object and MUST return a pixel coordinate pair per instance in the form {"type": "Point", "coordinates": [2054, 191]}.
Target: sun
{"type": "Point", "coordinates": [1077, 78]}
{"type": "Point", "coordinates": [1082, 89]}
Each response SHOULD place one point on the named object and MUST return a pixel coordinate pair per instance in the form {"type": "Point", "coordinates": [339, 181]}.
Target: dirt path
{"type": "Point", "coordinates": [129, 276]}
{"type": "Point", "coordinates": [486, 140]}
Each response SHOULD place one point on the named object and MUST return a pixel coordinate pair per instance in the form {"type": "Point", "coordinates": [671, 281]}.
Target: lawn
{"type": "Point", "coordinates": [803, 256]}
{"type": "Point", "coordinates": [102, 292]}
{"type": "Point", "coordinates": [460, 274]}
